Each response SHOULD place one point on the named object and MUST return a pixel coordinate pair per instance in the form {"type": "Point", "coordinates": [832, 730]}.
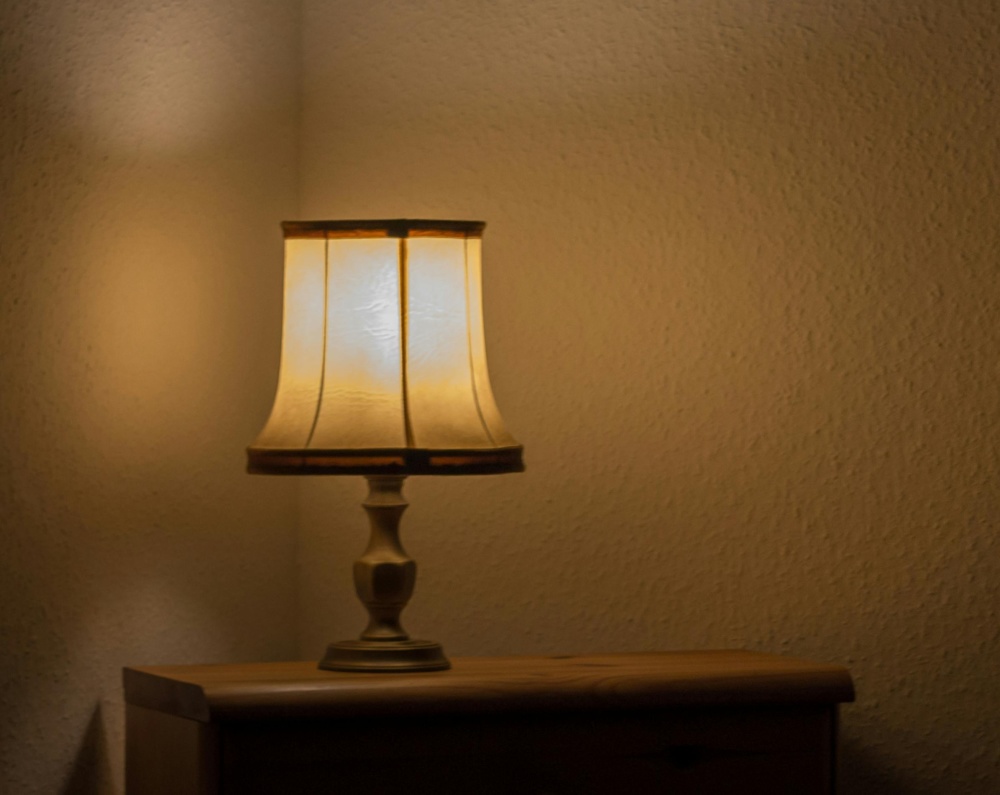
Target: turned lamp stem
{"type": "Point", "coordinates": [384, 577]}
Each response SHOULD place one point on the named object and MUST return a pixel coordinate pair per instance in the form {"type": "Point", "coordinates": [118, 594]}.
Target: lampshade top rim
{"type": "Point", "coordinates": [391, 227]}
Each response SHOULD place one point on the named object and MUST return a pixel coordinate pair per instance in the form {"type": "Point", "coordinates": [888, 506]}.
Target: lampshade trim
{"type": "Point", "coordinates": [394, 227]}
{"type": "Point", "coordinates": [391, 461]}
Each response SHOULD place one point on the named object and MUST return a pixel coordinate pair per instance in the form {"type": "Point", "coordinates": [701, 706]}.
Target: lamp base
{"type": "Point", "coordinates": [393, 656]}
{"type": "Point", "coordinates": [383, 578]}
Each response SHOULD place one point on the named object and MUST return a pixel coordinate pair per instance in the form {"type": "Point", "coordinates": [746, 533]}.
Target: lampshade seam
{"type": "Point", "coordinates": [404, 338]}
{"type": "Point", "coordinates": [468, 342]}
{"type": "Point", "coordinates": [322, 367]}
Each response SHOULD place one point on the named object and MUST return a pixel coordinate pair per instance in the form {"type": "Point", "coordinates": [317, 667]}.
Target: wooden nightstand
{"type": "Point", "coordinates": [673, 722]}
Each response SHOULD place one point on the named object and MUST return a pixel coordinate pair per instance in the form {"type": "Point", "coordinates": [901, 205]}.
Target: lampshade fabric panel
{"type": "Point", "coordinates": [488, 410]}
{"type": "Point", "coordinates": [444, 408]}
{"type": "Point", "coordinates": [383, 348]}
{"type": "Point", "coordinates": [362, 397]}
{"type": "Point", "coordinates": [300, 376]}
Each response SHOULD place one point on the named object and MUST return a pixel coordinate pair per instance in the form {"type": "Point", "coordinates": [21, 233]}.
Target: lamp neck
{"type": "Point", "coordinates": [384, 575]}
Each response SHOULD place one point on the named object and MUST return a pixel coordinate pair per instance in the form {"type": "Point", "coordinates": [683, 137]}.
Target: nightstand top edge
{"type": "Point", "coordinates": [622, 681]}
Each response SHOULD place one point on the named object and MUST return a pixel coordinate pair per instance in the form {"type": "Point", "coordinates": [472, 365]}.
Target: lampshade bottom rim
{"type": "Point", "coordinates": [407, 461]}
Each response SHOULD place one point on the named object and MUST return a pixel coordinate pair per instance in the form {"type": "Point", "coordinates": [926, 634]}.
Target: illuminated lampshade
{"type": "Point", "coordinates": [383, 359]}
{"type": "Point", "coordinates": [383, 374]}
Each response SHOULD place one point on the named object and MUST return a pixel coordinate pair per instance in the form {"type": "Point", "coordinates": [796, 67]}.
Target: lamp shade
{"type": "Point", "coordinates": [383, 357]}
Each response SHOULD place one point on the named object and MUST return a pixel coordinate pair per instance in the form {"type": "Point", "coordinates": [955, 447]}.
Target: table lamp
{"type": "Point", "coordinates": [383, 374]}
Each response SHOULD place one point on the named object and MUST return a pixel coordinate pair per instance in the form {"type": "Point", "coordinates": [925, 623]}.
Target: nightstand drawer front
{"type": "Point", "coordinates": [701, 752]}
{"type": "Point", "coordinates": [699, 722]}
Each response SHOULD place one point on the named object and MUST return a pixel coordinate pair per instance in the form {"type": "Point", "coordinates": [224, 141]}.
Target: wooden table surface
{"type": "Point", "coordinates": [479, 685]}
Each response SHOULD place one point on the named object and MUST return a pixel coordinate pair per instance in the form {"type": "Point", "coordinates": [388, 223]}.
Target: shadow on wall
{"type": "Point", "coordinates": [91, 773]}
{"type": "Point", "coordinates": [126, 492]}
{"type": "Point", "coordinates": [861, 771]}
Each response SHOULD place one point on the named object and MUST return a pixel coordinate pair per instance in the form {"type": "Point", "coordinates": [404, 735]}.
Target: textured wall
{"type": "Point", "coordinates": [148, 154]}
{"type": "Point", "coordinates": [742, 310]}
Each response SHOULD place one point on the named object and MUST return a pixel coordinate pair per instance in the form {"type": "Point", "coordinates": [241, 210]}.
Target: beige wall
{"type": "Point", "coordinates": [742, 310]}
{"type": "Point", "coordinates": [148, 154]}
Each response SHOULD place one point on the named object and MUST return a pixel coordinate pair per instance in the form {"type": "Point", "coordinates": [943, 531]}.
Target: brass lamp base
{"type": "Point", "coordinates": [385, 656]}
{"type": "Point", "coordinates": [384, 578]}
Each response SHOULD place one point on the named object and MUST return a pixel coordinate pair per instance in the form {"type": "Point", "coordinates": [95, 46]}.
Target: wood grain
{"type": "Point", "coordinates": [167, 755]}
{"type": "Point", "coordinates": [603, 682]}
